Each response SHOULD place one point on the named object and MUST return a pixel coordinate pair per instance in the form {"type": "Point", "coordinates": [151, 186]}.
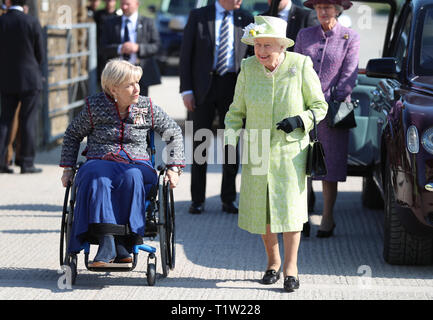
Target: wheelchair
{"type": "Point", "coordinates": [160, 222]}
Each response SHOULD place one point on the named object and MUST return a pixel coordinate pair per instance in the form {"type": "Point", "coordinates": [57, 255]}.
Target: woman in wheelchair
{"type": "Point", "coordinates": [113, 183]}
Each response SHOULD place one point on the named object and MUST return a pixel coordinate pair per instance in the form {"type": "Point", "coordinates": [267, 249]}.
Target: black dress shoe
{"type": "Point", "coordinates": [291, 283]}
{"type": "Point", "coordinates": [6, 170]}
{"type": "Point", "coordinates": [325, 234]}
{"type": "Point", "coordinates": [196, 207]}
{"type": "Point", "coordinates": [31, 169]}
{"type": "Point", "coordinates": [230, 207]}
{"type": "Point", "coordinates": [271, 276]}
{"type": "Point", "coordinates": [306, 229]}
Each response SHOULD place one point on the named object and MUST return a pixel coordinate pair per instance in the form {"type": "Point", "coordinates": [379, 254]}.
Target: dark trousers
{"type": "Point", "coordinates": [219, 98]}
{"type": "Point", "coordinates": [28, 117]}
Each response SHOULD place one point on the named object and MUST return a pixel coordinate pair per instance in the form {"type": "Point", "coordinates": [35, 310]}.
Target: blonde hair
{"type": "Point", "coordinates": [119, 71]}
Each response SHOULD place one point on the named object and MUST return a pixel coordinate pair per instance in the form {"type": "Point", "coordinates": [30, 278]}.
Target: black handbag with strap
{"type": "Point", "coordinates": [341, 114]}
{"type": "Point", "coordinates": [316, 165]}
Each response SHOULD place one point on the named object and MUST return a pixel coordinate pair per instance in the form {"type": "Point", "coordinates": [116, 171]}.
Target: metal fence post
{"type": "Point", "coordinates": [91, 78]}
{"type": "Point", "coordinates": [93, 60]}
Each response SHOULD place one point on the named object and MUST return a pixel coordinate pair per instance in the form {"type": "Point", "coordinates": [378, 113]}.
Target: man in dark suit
{"type": "Point", "coordinates": [210, 59]}
{"type": "Point", "coordinates": [21, 54]}
{"type": "Point", "coordinates": [99, 17]}
{"type": "Point", "coordinates": [296, 17]}
{"type": "Point", "coordinates": [133, 38]}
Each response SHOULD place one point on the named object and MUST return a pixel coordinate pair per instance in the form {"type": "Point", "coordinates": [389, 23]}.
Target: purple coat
{"type": "Point", "coordinates": [335, 56]}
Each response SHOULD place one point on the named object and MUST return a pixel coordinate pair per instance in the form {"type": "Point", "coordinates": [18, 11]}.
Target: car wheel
{"type": "Point", "coordinates": [371, 197]}
{"type": "Point", "coordinates": [401, 247]}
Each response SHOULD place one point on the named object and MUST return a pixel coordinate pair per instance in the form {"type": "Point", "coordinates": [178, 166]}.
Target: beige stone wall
{"type": "Point", "coordinates": [63, 13]}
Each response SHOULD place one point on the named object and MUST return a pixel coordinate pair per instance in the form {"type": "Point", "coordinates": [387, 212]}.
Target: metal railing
{"type": "Point", "coordinates": [87, 81]}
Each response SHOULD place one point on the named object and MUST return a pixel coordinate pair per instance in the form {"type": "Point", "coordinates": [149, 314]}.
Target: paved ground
{"type": "Point", "coordinates": [215, 260]}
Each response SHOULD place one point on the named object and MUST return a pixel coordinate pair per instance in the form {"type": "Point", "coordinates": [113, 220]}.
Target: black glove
{"type": "Point", "coordinates": [290, 124]}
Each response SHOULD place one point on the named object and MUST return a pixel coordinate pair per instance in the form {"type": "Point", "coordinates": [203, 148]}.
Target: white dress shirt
{"type": "Point", "coordinates": [284, 14]}
{"type": "Point", "coordinates": [219, 15]}
{"type": "Point", "coordinates": [218, 21]}
{"type": "Point", "coordinates": [132, 29]}
{"type": "Point", "coordinates": [19, 8]}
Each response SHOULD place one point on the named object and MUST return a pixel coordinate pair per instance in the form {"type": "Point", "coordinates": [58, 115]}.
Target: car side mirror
{"type": "Point", "coordinates": [382, 68]}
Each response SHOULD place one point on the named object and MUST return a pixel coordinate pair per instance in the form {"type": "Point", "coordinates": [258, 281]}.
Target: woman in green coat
{"type": "Point", "coordinates": [276, 92]}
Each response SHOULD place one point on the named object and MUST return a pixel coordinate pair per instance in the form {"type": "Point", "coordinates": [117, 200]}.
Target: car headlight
{"type": "Point", "coordinates": [427, 140]}
{"type": "Point", "coordinates": [413, 140]}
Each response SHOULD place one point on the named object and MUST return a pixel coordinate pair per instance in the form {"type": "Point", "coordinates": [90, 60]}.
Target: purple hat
{"type": "Point", "coordinates": [346, 4]}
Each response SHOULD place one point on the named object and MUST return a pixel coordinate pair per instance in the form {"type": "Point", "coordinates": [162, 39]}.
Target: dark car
{"type": "Point", "coordinates": [404, 99]}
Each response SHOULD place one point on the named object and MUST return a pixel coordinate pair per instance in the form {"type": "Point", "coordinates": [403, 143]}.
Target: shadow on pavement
{"type": "Point", "coordinates": [214, 240]}
{"type": "Point", "coordinates": [32, 207]}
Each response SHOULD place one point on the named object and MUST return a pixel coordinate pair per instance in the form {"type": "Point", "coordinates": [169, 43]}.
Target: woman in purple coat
{"type": "Point", "coordinates": [334, 50]}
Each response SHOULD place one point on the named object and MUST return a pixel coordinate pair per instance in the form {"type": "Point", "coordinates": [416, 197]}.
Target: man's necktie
{"type": "Point", "coordinates": [222, 60]}
{"type": "Point", "coordinates": [126, 38]}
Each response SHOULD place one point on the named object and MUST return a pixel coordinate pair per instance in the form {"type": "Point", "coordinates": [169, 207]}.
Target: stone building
{"type": "Point", "coordinates": [61, 98]}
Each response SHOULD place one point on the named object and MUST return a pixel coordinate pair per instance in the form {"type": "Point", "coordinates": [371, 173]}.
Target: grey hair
{"type": "Point", "coordinates": [117, 72]}
{"type": "Point", "coordinates": [282, 43]}
{"type": "Point", "coordinates": [339, 9]}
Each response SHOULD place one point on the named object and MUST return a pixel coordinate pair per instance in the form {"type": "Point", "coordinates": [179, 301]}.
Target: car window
{"type": "Point", "coordinates": [370, 21]}
{"type": "Point", "coordinates": [402, 42]}
{"type": "Point", "coordinates": [177, 7]}
{"type": "Point", "coordinates": [256, 7]}
{"type": "Point", "coordinates": [425, 66]}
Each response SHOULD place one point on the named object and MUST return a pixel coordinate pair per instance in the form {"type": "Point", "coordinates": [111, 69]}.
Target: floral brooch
{"type": "Point", "coordinates": [254, 29]}
{"type": "Point", "coordinates": [139, 115]}
{"type": "Point", "coordinates": [292, 71]}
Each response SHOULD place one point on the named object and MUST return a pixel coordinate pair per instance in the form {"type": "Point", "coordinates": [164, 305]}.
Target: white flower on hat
{"type": "Point", "coordinates": [253, 29]}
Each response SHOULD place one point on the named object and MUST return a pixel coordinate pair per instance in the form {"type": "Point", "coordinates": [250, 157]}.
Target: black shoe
{"type": "Point", "coordinates": [271, 276]}
{"type": "Point", "coordinates": [196, 207]}
{"type": "Point", "coordinates": [6, 170]}
{"type": "Point", "coordinates": [230, 207]}
{"type": "Point", "coordinates": [325, 234]}
{"type": "Point", "coordinates": [306, 229]}
{"type": "Point", "coordinates": [291, 283]}
{"type": "Point", "coordinates": [31, 169]}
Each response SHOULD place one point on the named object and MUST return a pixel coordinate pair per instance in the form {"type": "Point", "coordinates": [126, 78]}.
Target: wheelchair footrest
{"type": "Point", "coordinates": [113, 267]}
{"type": "Point", "coordinates": [144, 247]}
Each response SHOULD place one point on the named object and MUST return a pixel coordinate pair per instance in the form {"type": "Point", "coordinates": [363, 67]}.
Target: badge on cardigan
{"type": "Point", "coordinates": [139, 115]}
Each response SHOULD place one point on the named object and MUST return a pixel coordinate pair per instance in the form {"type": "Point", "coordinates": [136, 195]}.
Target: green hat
{"type": "Point", "coordinates": [266, 27]}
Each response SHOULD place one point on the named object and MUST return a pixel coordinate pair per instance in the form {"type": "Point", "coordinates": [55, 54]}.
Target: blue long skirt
{"type": "Point", "coordinates": [113, 193]}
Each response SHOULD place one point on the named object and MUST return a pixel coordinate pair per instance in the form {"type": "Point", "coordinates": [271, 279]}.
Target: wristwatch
{"type": "Point", "coordinates": [178, 170]}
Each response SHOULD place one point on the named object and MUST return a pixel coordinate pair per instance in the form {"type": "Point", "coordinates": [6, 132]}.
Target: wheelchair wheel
{"type": "Point", "coordinates": [171, 239]}
{"type": "Point", "coordinates": [66, 224]}
{"type": "Point", "coordinates": [162, 195]}
{"type": "Point", "coordinates": [151, 274]}
{"type": "Point", "coordinates": [63, 226]}
{"type": "Point", "coordinates": [72, 262]}
{"type": "Point", "coordinates": [166, 227]}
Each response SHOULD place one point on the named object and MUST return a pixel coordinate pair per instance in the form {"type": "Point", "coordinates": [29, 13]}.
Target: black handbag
{"type": "Point", "coordinates": [341, 115]}
{"type": "Point", "coordinates": [316, 165]}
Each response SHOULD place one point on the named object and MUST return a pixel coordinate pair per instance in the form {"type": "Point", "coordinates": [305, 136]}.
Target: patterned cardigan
{"type": "Point", "coordinates": [106, 133]}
